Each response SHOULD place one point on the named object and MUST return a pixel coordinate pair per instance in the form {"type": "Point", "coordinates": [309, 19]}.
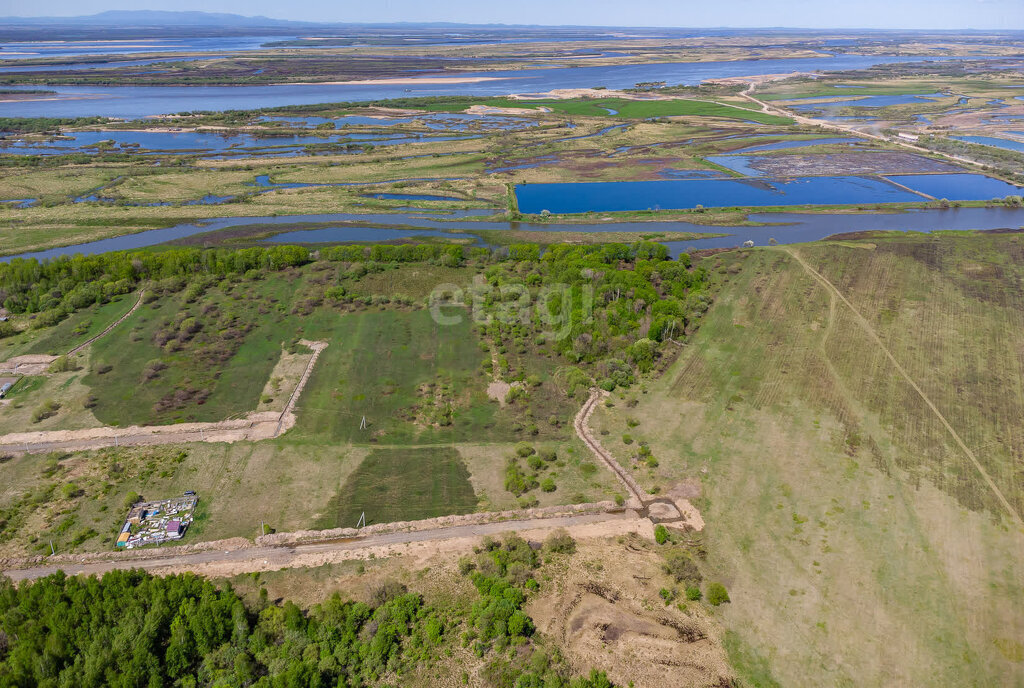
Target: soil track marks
{"type": "Point", "coordinates": [862, 321]}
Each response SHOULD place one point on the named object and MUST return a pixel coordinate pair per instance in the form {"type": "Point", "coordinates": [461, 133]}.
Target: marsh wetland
{"type": "Point", "coordinates": [715, 332]}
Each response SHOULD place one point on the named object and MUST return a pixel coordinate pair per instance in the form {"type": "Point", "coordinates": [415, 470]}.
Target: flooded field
{"type": "Point", "coordinates": [442, 121]}
{"type": "Point", "coordinates": [212, 143]}
{"type": "Point", "coordinates": [793, 165]}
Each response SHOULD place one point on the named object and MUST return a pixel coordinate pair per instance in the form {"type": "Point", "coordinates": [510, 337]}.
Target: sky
{"type": "Point", "coordinates": [876, 14]}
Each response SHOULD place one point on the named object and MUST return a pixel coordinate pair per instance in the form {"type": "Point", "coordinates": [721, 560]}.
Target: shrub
{"type": "Point", "coordinates": [516, 481]}
{"type": "Point", "coordinates": [660, 534]}
{"type": "Point", "coordinates": [681, 566]}
{"type": "Point", "coordinates": [717, 594]}
{"type": "Point", "coordinates": [130, 499]}
{"type": "Point", "coordinates": [524, 449]}
{"type": "Point", "coordinates": [535, 462]}
{"type": "Point", "coordinates": [667, 595]}
{"type": "Point", "coordinates": [619, 500]}
{"type": "Point", "coordinates": [548, 485]}
{"type": "Point", "coordinates": [627, 439]}
{"type": "Point", "coordinates": [560, 541]}
{"type": "Point", "coordinates": [45, 410]}
{"type": "Point", "coordinates": [693, 593]}
{"type": "Point", "coordinates": [152, 369]}
{"type": "Point", "coordinates": [63, 364]}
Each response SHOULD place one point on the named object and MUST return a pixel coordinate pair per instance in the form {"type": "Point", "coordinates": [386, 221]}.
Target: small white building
{"type": "Point", "coordinates": [907, 137]}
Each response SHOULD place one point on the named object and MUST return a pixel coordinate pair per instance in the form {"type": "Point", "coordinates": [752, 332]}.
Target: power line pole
{"type": "Point", "coordinates": [362, 521]}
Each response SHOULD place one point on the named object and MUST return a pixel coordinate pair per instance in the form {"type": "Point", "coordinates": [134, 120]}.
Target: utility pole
{"type": "Point", "coordinates": [52, 550]}
{"type": "Point", "coordinates": [263, 528]}
{"type": "Point", "coordinates": [362, 425]}
{"type": "Point", "coordinates": [362, 521]}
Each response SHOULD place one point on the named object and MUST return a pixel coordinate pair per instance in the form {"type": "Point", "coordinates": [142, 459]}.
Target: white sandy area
{"type": "Point", "coordinates": [404, 81]}
{"type": "Point", "coordinates": [568, 93]}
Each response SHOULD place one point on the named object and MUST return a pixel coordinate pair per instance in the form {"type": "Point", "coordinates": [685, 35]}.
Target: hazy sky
{"type": "Point", "coordinates": [893, 14]}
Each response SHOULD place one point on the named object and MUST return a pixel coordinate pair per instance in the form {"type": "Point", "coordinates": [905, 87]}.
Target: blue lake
{"type": "Point", "coordinates": [992, 141]}
{"type": "Point", "coordinates": [142, 101]}
{"type": "Point", "coordinates": [958, 187]}
{"type": "Point", "coordinates": [710, 193]}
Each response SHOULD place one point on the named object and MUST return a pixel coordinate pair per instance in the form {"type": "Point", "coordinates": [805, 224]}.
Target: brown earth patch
{"type": "Point", "coordinates": [610, 616]}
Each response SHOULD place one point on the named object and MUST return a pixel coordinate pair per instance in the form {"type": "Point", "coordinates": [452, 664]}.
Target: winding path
{"type": "Point", "coordinates": [110, 327]}
{"type": "Point", "coordinates": [583, 430]}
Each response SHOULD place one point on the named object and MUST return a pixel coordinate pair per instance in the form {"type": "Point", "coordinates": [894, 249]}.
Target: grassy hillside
{"type": "Point", "coordinates": [860, 542]}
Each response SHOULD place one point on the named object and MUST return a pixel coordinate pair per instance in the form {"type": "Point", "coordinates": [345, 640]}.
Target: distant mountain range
{"type": "Point", "coordinates": [156, 18]}
{"type": "Point", "coordinates": [210, 22]}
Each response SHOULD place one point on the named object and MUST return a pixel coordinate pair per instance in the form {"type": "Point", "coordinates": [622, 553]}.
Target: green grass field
{"type": "Point", "coordinates": [642, 109]}
{"type": "Point", "coordinates": [208, 375]}
{"type": "Point", "coordinates": [403, 485]}
{"type": "Point", "coordinates": [859, 543]}
{"type": "Point", "coordinates": [404, 373]}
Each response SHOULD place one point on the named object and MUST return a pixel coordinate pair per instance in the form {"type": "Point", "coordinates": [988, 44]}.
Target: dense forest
{"type": "Point", "coordinates": [130, 628]}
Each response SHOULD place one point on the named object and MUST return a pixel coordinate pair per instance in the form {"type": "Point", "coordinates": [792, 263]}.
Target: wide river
{"type": "Point", "coordinates": [144, 101]}
{"type": "Point", "coordinates": [785, 228]}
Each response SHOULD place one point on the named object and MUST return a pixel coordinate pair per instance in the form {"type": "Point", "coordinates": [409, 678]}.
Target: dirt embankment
{"type": "Point", "coordinates": [315, 548]}
{"type": "Point", "coordinates": [581, 423]}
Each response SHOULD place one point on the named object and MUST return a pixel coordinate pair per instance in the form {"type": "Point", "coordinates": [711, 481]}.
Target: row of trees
{"type": "Point", "coordinates": [68, 283]}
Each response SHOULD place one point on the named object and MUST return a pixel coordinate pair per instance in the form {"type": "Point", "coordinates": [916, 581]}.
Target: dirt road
{"type": "Point", "coordinates": [269, 558]}
{"type": "Point", "coordinates": [748, 93]}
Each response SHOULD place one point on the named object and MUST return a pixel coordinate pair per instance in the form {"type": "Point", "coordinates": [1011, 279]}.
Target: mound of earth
{"type": "Point", "coordinates": [610, 615]}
